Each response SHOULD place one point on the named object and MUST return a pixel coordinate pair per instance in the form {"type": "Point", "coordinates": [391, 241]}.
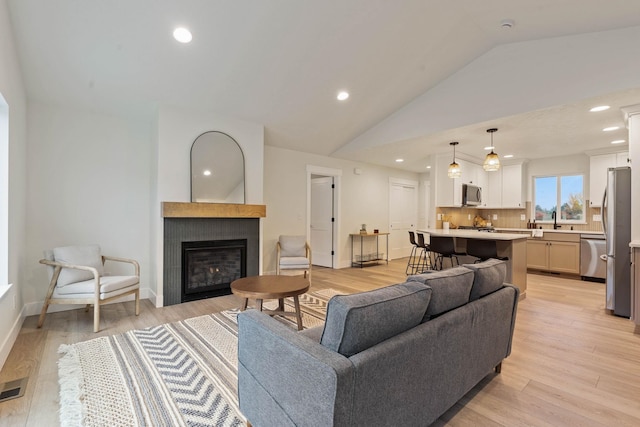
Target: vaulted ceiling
{"type": "Point", "coordinates": [420, 73]}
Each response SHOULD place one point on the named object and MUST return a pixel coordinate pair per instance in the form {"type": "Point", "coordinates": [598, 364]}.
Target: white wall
{"type": "Point", "coordinates": [12, 89]}
{"type": "Point", "coordinates": [364, 198]}
{"type": "Point", "coordinates": [89, 182]}
{"type": "Point", "coordinates": [177, 129]}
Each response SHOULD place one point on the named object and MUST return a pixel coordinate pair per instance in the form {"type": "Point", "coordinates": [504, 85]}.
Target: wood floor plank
{"type": "Point", "coordinates": [572, 362]}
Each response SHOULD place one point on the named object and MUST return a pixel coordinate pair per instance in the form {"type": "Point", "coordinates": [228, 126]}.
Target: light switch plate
{"type": "Point", "coordinates": [439, 217]}
{"type": "Point", "coordinates": [597, 218]}
{"type": "Point", "coordinates": [523, 217]}
{"type": "Point", "coordinates": [495, 216]}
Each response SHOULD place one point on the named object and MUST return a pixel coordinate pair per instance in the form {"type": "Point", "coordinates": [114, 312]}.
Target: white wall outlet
{"type": "Point", "coordinates": [469, 216]}
{"type": "Point", "coordinates": [495, 216]}
{"type": "Point", "coordinates": [523, 217]}
{"type": "Point", "coordinates": [439, 217]}
{"type": "Point", "coordinates": [597, 218]}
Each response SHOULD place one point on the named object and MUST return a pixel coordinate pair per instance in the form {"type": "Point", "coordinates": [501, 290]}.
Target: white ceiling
{"type": "Point", "coordinates": [282, 62]}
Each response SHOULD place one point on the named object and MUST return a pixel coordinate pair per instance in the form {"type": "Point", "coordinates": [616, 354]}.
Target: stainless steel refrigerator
{"type": "Point", "coordinates": [616, 221]}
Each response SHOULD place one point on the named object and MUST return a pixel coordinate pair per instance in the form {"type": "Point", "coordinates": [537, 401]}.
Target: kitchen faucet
{"type": "Point", "coordinates": [555, 223]}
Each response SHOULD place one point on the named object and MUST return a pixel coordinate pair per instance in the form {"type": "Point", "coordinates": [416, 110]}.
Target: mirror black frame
{"type": "Point", "coordinates": [221, 161]}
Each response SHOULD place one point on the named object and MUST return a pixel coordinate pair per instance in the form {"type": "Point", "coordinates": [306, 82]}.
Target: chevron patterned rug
{"type": "Point", "coordinates": [176, 374]}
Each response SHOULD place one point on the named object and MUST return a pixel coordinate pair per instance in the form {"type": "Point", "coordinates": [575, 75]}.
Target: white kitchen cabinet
{"type": "Point", "coordinates": [449, 190]}
{"type": "Point", "coordinates": [622, 159]}
{"type": "Point", "coordinates": [482, 181]}
{"type": "Point", "coordinates": [513, 186]}
{"type": "Point", "coordinates": [493, 196]}
{"type": "Point", "coordinates": [444, 185]}
{"type": "Point", "coordinates": [598, 166]}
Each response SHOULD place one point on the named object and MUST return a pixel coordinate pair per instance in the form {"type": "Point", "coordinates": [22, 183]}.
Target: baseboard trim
{"type": "Point", "coordinates": [7, 345]}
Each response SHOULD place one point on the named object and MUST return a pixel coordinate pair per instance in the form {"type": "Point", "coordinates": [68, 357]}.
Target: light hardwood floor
{"type": "Point", "coordinates": [572, 364]}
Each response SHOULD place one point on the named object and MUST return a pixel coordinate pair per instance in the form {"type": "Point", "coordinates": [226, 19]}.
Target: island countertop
{"type": "Point", "coordinates": [473, 234]}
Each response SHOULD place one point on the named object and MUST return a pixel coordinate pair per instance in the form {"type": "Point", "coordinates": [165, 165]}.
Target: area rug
{"type": "Point", "coordinates": [176, 374]}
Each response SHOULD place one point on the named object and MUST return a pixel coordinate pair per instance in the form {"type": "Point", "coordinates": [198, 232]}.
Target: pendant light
{"type": "Point", "coordinates": [492, 161]}
{"type": "Point", "coordinates": [454, 168]}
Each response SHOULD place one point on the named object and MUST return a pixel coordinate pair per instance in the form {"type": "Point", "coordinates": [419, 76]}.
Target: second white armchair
{"type": "Point", "coordinates": [294, 253]}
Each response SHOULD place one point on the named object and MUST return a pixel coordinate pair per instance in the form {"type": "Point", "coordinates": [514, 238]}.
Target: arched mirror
{"type": "Point", "coordinates": [217, 169]}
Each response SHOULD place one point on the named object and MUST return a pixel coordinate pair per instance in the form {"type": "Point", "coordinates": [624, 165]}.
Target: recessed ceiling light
{"type": "Point", "coordinates": [182, 35]}
{"type": "Point", "coordinates": [428, 167]}
{"type": "Point", "coordinates": [342, 95]}
{"type": "Point", "coordinates": [599, 108]}
{"type": "Point", "coordinates": [399, 160]}
{"type": "Point", "coordinates": [610, 128]}
{"type": "Point", "coordinates": [490, 147]}
{"type": "Point", "coordinates": [618, 141]}
{"type": "Point", "coordinates": [206, 172]}
{"type": "Point", "coordinates": [508, 156]}
{"type": "Point", "coordinates": [507, 23]}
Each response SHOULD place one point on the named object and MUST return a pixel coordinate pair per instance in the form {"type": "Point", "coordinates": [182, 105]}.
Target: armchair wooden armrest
{"type": "Point", "coordinates": [124, 260]}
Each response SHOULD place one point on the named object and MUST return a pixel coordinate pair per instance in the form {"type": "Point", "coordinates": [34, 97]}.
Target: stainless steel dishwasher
{"type": "Point", "coordinates": [593, 257]}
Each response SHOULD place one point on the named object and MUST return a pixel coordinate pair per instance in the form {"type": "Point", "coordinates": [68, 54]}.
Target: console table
{"type": "Point", "coordinates": [366, 259]}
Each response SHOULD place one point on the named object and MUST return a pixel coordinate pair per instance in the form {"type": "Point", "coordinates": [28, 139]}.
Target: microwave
{"type": "Point", "coordinates": [471, 195]}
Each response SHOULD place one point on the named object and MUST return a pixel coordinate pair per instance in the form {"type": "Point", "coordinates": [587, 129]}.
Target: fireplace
{"type": "Point", "coordinates": [209, 267]}
{"type": "Point", "coordinates": [206, 233]}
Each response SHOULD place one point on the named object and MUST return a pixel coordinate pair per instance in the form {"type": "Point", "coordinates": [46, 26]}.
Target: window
{"type": "Point", "coordinates": [566, 191]}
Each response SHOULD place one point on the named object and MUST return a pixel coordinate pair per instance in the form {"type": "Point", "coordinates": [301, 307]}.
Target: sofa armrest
{"type": "Point", "coordinates": [285, 378]}
{"type": "Point", "coordinates": [516, 298]}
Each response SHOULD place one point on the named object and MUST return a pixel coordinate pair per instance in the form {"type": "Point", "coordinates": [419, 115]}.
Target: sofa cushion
{"type": "Point", "coordinates": [489, 276]}
{"type": "Point", "coordinates": [449, 289]}
{"type": "Point", "coordinates": [87, 256]}
{"type": "Point", "coordinates": [358, 321]}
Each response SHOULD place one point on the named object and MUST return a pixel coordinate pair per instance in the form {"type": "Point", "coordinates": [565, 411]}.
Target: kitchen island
{"type": "Point", "coordinates": [510, 245]}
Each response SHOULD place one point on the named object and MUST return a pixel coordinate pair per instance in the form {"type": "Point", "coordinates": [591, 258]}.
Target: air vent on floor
{"type": "Point", "coordinates": [13, 389]}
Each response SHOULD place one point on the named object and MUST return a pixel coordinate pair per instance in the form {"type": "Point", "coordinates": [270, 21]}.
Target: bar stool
{"type": "Point", "coordinates": [414, 262]}
{"type": "Point", "coordinates": [444, 247]}
{"type": "Point", "coordinates": [425, 255]}
{"type": "Point", "coordinates": [483, 250]}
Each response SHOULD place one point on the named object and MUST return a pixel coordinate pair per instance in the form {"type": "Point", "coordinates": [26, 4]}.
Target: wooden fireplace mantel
{"type": "Point", "coordinates": [212, 210]}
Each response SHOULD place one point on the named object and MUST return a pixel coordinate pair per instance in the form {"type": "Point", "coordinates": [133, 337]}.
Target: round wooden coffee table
{"type": "Point", "coordinates": [272, 287]}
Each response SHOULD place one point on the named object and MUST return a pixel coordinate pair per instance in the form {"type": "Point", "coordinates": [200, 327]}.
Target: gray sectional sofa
{"type": "Point", "coordinates": [399, 355]}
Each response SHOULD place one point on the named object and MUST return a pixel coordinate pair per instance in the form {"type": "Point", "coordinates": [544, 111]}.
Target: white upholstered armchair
{"type": "Point", "coordinates": [77, 276]}
{"type": "Point", "coordinates": [294, 253]}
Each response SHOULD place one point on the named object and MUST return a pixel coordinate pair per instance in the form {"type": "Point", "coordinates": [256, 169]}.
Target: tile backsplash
{"type": "Point", "coordinates": [510, 218]}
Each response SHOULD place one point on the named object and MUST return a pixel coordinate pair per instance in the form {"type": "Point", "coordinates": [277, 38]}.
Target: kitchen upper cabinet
{"type": "Point", "coordinates": [493, 195]}
{"type": "Point", "coordinates": [598, 166]}
{"type": "Point", "coordinates": [449, 190]}
{"type": "Point", "coordinates": [513, 186]}
{"type": "Point", "coordinates": [506, 188]}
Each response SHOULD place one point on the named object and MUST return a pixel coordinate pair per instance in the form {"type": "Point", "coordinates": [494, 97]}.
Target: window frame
{"type": "Point", "coordinates": [559, 219]}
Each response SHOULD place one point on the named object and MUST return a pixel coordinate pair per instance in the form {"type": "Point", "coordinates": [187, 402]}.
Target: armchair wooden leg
{"type": "Point", "coordinates": [43, 313]}
{"type": "Point", "coordinates": [96, 317]}
{"type": "Point", "coordinates": [138, 302]}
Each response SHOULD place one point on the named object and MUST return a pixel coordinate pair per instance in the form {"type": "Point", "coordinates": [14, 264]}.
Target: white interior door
{"type": "Point", "coordinates": [403, 215]}
{"type": "Point", "coordinates": [321, 224]}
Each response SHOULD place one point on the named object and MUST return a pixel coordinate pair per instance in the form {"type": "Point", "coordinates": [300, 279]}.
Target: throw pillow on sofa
{"type": "Point", "coordinates": [358, 321]}
{"type": "Point", "coordinates": [449, 289]}
{"type": "Point", "coordinates": [489, 276]}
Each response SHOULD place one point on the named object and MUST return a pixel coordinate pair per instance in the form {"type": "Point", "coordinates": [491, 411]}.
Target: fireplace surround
{"type": "Point", "coordinates": [202, 222]}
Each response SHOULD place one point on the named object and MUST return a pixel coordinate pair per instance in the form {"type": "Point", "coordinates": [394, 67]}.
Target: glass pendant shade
{"type": "Point", "coordinates": [492, 161]}
{"type": "Point", "coordinates": [454, 170]}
